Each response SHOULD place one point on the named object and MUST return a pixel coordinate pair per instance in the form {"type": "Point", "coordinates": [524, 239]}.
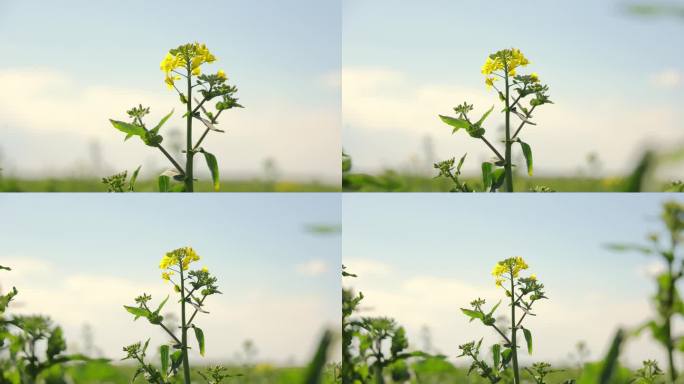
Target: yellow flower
{"type": "Point", "coordinates": [534, 77]}
{"type": "Point", "coordinates": [490, 81]}
{"type": "Point", "coordinates": [505, 60]}
{"type": "Point", "coordinates": [167, 275]}
{"type": "Point", "coordinates": [194, 54]}
{"type": "Point", "coordinates": [221, 75]}
{"type": "Point", "coordinates": [181, 256]}
{"type": "Point", "coordinates": [509, 268]}
{"type": "Point", "coordinates": [533, 277]}
{"type": "Point", "coordinates": [205, 269]}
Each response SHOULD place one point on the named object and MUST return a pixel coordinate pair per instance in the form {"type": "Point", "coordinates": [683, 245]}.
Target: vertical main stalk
{"type": "Point", "coordinates": [189, 183]}
{"type": "Point", "coordinates": [668, 322]}
{"type": "Point", "coordinates": [184, 330]}
{"type": "Point", "coordinates": [514, 345]}
{"type": "Point", "coordinates": [508, 167]}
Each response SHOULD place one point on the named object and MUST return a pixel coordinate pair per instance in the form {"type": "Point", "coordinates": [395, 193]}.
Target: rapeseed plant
{"type": "Point", "coordinates": [182, 67]}
{"type": "Point", "coordinates": [499, 66]}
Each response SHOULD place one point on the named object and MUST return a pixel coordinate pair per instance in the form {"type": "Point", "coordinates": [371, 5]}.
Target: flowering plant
{"type": "Point", "coordinates": [522, 293]}
{"type": "Point", "coordinates": [183, 63]}
{"type": "Point", "coordinates": [193, 287]}
{"type": "Point", "coordinates": [499, 66]}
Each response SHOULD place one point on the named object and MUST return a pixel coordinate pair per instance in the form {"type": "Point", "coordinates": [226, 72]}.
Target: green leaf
{"type": "Point", "coordinates": [454, 122]}
{"type": "Point", "coordinates": [5, 268]}
{"type": "Point", "coordinates": [138, 312]}
{"type": "Point", "coordinates": [176, 359]}
{"type": "Point", "coordinates": [496, 354]}
{"type": "Point", "coordinates": [55, 344]}
{"type": "Point", "coordinates": [161, 305]}
{"type": "Point", "coordinates": [482, 119]}
{"type": "Point", "coordinates": [200, 339]}
{"type": "Point", "coordinates": [161, 122]}
{"type": "Point", "coordinates": [528, 339]}
{"type": "Point", "coordinates": [494, 308]}
{"type": "Point", "coordinates": [487, 175]}
{"type": "Point", "coordinates": [213, 167]}
{"type": "Point", "coordinates": [164, 183]}
{"type": "Point", "coordinates": [473, 314]}
{"type": "Point", "coordinates": [527, 151]}
{"type": "Point", "coordinates": [164, 354]}
{"type": "Point", "coordinates": [129, 129]}
{"type": "Point", "coordinates": [134, 177]}
{"type": "Point", "coordinates": [460, 164]}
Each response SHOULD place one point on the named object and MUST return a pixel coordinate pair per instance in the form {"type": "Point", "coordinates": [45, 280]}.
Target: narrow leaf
{"type": "Point", "coordinates": [164, 354]}
{"type": "Point", "coordinates": [161, 122]}
{"type": "Point", "coordinates": [134, 177]}
{"type": "Point", "coordinates": [164, 183]}
{"type": "Point", "coordinates": [487, 175]}
{"type": "Point", "coordinates": [528, 339]}
{"type": "Point", "coordinates": [161, 305]}
{"type": "Point", "coordinates": [527, 151]}
{"type": "Point", "coordinates": [482, 119]}
{"type": "Point", "coordinates": [213, 167]}
{"type": "Point", "coordinates": [200, 339]}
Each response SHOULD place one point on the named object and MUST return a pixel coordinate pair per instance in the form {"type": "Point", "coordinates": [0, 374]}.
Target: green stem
{"type": "Point", "coordinates": [514, 345]}
{"type": "Point", "coordinates": [189, 153]}
{"type": "Point", "coordinates": [668, 323]}
{"type": "Point", "coordinates": [184, 330]}
{"type": "Point", "coordinates": [508, 166]}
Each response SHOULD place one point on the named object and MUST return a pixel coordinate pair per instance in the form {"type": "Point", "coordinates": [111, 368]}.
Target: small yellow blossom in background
{"type": "Point", "coordinates": [184, 256]}
{"type": "Point", "coordinates": [510, 267]}
{"type": "Point", "coordinates": [534, 77]}
{"type": "Point", "coordinates": [167, 275]}
{"type": "Point", "coordinates": [205, 269]}
{"type": "Point", "coordinates": [195, 54]}
{"type": "Point", "coordinates": [533, 277]}
{"type": "Point", "coordinates": [221, 75]}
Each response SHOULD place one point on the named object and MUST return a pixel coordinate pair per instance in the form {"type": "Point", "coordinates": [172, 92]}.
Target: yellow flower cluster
{"type": "Point", "coordinates": [188, 55]}
{"type": "Point", "coordinates": [510, 267]}
{"type": "Point", "coordinates": [181, 256]}
{"type": "Point", "coordinates": [505, 60]}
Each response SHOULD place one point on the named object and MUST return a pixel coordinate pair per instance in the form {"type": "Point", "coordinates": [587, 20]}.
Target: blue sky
{"type": "Point", "coordinates": [422, 256]}
{"type": "Point", "coordinates": [284, 58]}
{"type": "Point", "coordinates": [616, 78]}
{"type": "Point", "coordinates": [257, 245]}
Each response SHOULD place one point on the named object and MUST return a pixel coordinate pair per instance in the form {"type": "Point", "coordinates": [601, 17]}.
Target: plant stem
{"type": "Point", "coordinates": [514, 345]}
{"type": "Point", "coordinates": [508, 166]}
{"type": "Point", "coordinates": [184, 330]}
{"type": "Point", "coordinates": [668, 322]}
{"type": "Point", "coordinates": [171, 159]}
{"type": "Point", "coordinates": [189, 182]}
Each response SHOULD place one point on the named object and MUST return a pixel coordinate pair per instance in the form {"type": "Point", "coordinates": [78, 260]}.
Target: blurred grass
{"type": "Point", "coordinates": [12, 184]}
{"type": "Point", "coordinates": [92, 373]}
{"type": "Point", "coordinates": [391, 181]}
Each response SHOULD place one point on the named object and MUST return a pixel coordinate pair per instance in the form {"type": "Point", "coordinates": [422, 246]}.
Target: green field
{"type": "Point", "coordinates": [12, 184]}
{"type": "Point", "coordinates": [94, 372]}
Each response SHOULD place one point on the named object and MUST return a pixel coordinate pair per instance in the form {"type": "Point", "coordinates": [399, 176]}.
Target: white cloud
{"type": "Point", "coordinates": [315, 267]}
{"type": "Point", "coordinates": [382, 105]}
{"type": "Point", "coordinates": [48, 108]}
{"type": "Point", "coordinates": [367, 267]}
{"type": "Point", "coordinates": [667, 78]}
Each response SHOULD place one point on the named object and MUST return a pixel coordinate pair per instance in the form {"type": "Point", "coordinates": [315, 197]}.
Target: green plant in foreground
{"type": "Point", "coordinates": [192, 287]}
{"type": "Point", "coordinates": [501, 65]}
{"type": "Point", "coordinates": [668, 301]}
{"type": "Point", "coordinates": [648, 373]}
{"type": "Point", "coordinates": [522, 293]}
{"type": "Point", "coordinates": [119, 182]}
{"type": "Point", "coordinates": [372, 345]}
{"type": "Point", "coordinates": [184, 63]}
